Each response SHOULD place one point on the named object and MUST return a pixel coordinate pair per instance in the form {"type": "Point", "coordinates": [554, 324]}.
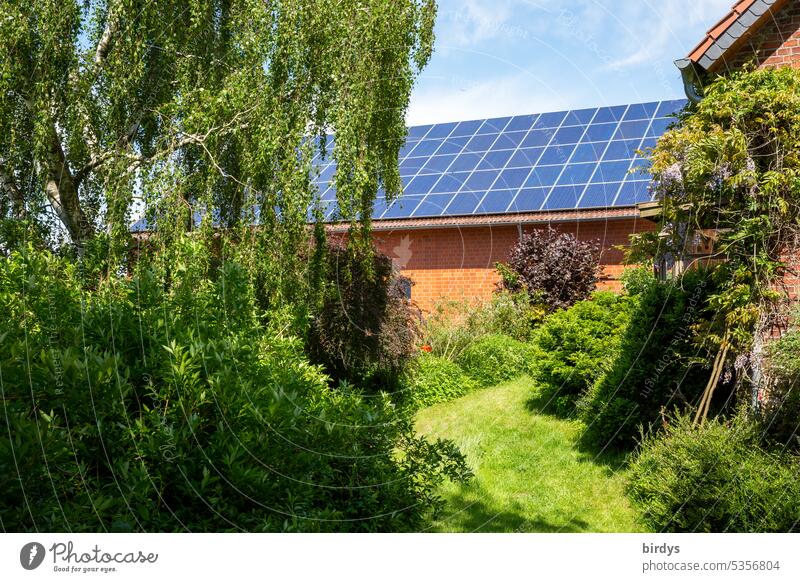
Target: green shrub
{"type": "Point", "coordinates": [658, 366]}
{"type": "Point", "coordinates": [433, 379]}
{"type": "Point", "coordinates": [574, 347]}
{"type": "Point", "coordinates": [455, 325]}
{"type": "Point", "coordinates": [168, 402]}
{"type": "Point", "coordinates": [494, 359]}
{"type": "Point", "coordinates": [714, 479]}
{"type": "Point", "coordinates": [780, 411]}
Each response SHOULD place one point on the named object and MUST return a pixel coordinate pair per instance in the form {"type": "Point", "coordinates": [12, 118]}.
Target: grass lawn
{"type": "Point", "coordinates": [529, 474]}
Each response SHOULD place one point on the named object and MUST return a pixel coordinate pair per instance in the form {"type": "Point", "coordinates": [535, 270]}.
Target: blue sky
{"type": "Point", "coordinates": [504, 57]}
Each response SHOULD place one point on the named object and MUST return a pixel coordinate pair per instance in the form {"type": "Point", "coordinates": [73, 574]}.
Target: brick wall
{"type": "Point", "coordinates": [775, 44]}
{"type": "Point", "coordinates": [458, 263]}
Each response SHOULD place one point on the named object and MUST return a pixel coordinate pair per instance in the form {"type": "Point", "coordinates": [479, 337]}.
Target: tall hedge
{"type": "Point", "coordinates": [658, 366]}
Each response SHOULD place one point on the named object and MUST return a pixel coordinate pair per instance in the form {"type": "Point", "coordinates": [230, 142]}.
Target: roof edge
{"type": "Point", "coordinates": [733, 30]}
{"type": "Point", "coordinates": [539, 217]}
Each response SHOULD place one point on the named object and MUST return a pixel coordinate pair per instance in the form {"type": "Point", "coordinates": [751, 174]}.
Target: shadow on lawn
{"type": "Point", "coordinates": [468, 514]}
{"type": "Point", "coordinates": [545, 403]}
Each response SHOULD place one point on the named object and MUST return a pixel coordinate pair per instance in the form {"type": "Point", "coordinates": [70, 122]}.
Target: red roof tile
{"type": "Point", "coordinates": [721, 27]}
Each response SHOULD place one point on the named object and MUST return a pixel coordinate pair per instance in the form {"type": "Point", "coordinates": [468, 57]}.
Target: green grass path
{"type": "Point", "coordinates": [529, 474]}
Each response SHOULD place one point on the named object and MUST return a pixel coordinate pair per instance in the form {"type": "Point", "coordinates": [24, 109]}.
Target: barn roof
{"type": "Point", "coordinates": [541, 166]}
{"type": "Point", "coordinates": [578, 160]}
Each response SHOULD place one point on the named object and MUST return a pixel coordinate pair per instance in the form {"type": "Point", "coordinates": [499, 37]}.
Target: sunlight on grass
{"type": "Point", "coordinates": [529, 474]}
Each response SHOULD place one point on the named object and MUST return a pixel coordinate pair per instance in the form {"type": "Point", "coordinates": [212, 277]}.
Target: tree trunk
{"type": "Point", "coordinates": [62, 191]}
{"type": "Point", "coordinates": [9, 185]}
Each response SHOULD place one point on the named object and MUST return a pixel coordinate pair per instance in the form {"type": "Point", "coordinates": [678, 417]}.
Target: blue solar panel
{"type": "Point", "coordinates": [599, 195]}
{"type": "Point", "coordinates": [528, 200]}
{"type": "Point", "coordinates": [562, 160]}
{"type": "Point", "coordinates": [438, 164]}
{"type": "Point", "coordinates": [480, 181]}
{"type": "Point", "coordinates": [464, 203]}
{"type": "Point", "coordinates": [496, 201]}
{"type": "Point", "coordinates": [563, 197]}
{"type": "Point", "coordinates": [441, 130]}
{"type": "Point", "coordinates": [433, 205]}
{"type": "Point", "coordinates": [521, 123]}
{"type": "Point", "coordinates": [466, 128]}
{"type": "Point", "coordinates": [466, 161]}
{"type": "Point", "coordinates": [493, 125]}
{"type": "Point", "coordinates": [495, 160]}
{"type": "Point", "coordinates": [453, 145]}
{"type": "Point", "coordinates": [600, 132]}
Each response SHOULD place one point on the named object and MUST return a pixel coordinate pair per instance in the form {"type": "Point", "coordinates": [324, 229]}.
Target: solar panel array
{"type": "Point", "coordinates": [564, 160]}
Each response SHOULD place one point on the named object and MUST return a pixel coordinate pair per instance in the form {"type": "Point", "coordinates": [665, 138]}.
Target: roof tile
{"type": "Point", "coordinates": [743, 18]}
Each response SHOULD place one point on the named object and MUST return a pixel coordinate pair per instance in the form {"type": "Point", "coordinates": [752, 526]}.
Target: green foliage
{"type": "Point", "coordinates": [365, 331]}
{"type": "Point", "coordinates": [780, 410]}
{"type": "Point", "coordinates": [495, 358]}
{"type": "Point", "coordinates": [714, 479]}
{"type": "Point", "coordinates": [554, 267]}
{"type": "Point", "coordinates": [733, 164]}
{"type": "Point", "coordinates": [433, 379]}
{"type": "Point", "coordinates": [167, 401]}
{"type": "Point", "coordinates": [658, 366]}
{"type": "Point", "coordinates": [453, 326]}
{"type": "Point", "coordinates": [574, 347]}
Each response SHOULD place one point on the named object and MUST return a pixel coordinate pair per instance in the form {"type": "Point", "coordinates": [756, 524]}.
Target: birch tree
{"type": "Point", "coordinates": [216, 107]}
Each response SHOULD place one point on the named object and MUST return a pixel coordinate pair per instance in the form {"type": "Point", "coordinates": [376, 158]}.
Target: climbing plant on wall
{"type": "Point", "coordinates": [732, 165]}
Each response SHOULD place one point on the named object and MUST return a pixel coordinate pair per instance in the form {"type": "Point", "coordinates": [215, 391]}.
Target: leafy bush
{"type": "Point", "coordinates": [780, 411]}
{"type": "Point", "coordinates": [433, 379]}
{"type": "Point", "coordinates": [576, 346]}
{"type": "Point", "coordinates": [455, 325]}
{"type": "Point", "coordinates": [714, 479]}
{"type": "Point", "coordinates": [556, 268]}
{"type": "Point", "coordinates": [365, 331]}
{"type": "Point", "coordinates": [167, 401]}
{"type": "Point", "coordinates": [494, 359]}
{"type": "Point", "coordinates": [658, 366]}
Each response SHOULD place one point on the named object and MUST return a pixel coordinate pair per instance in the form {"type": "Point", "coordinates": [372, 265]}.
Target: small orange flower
{"type": "Point", "coordinates": [426, 348]}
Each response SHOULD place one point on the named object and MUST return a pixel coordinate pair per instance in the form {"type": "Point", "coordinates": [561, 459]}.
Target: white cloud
{"type": "Point", "coordinates": [642, 38]}
{"type": "Point", "coordinates": [495, 97]}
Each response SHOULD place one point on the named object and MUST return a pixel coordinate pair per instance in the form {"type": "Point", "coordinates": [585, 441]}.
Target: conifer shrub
{"type": "Point", "coordinates": [658, 366]}
{"type": "Point", "coordinates": [716, 478]}
{"type": "Point", "coordinates": [574, 347]}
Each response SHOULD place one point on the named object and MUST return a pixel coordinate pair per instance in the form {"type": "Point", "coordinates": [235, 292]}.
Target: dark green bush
{"type": "Point", "coordinates": [494, 359]}
{"type": "Point", "coordinates": [433, 379]}
{"type": "Point", "coordinates": [714, 479]}
{"type": "Point", "coordinates": [365, 331]}
{"type": "Point", "coordinates": [574, 347]}
{"type": "Point", "coordinates": [168, 402]}
{"type": "Point", "coordinates": [657, 368]}
{"type": "Point", "coordinates": [780, 410]}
